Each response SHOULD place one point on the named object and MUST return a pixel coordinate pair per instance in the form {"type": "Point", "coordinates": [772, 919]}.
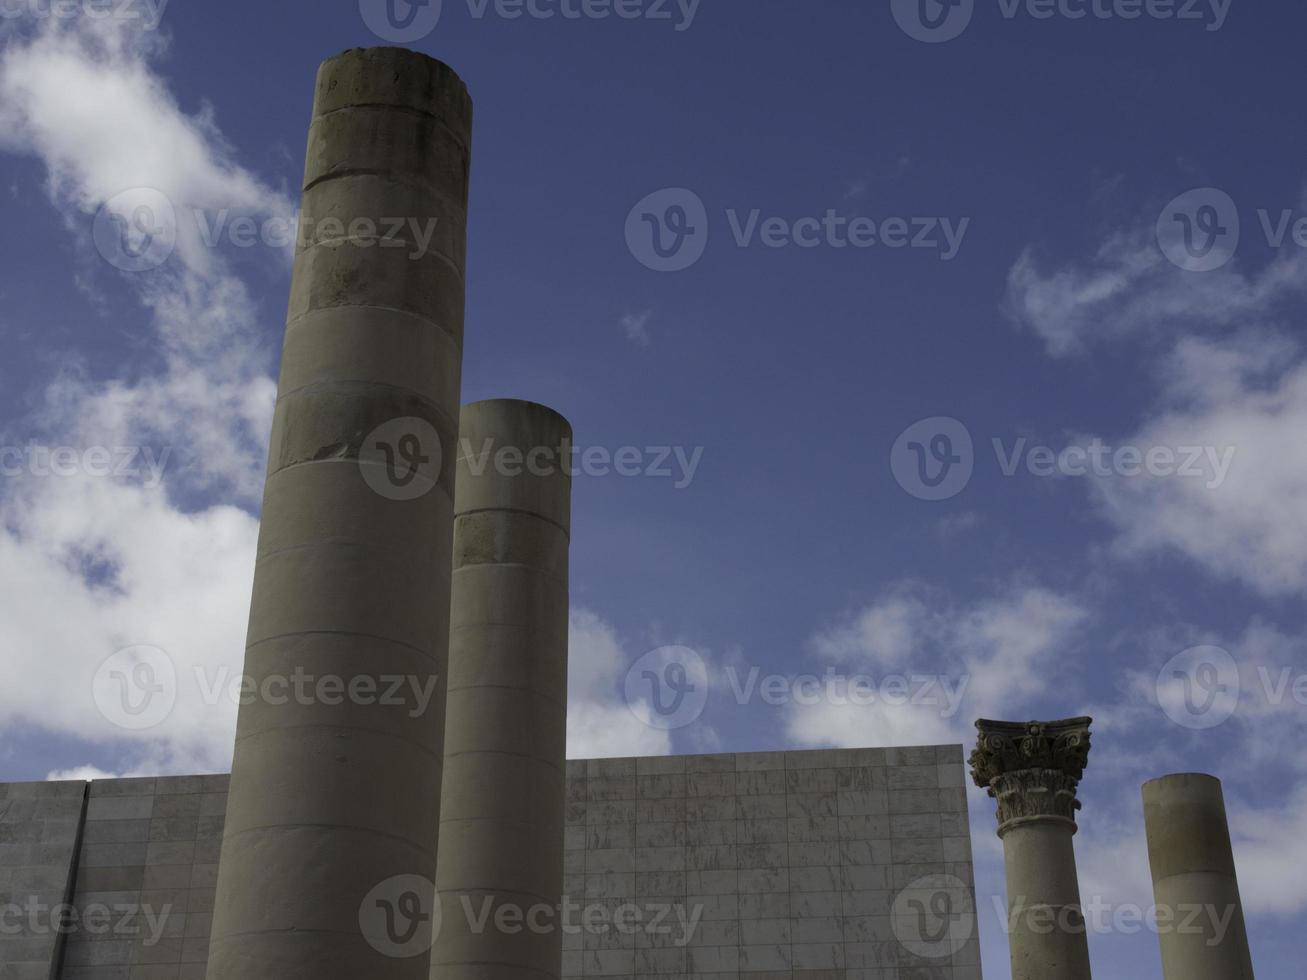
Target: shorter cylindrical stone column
{"type": "Point", "coordinates": [499, 876]}
{"type": "Point", "coordinates": [1033, 770]}
{"type": "Point", "coordinates": [1200, 917]}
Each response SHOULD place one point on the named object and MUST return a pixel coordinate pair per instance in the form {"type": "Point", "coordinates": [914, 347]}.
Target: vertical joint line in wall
{"type": "Point", "coordinates": [74, 863]}
{"type": "Point", "coordinates": [842, 884]}
{"type": "Point", "coordinates": [789, 881]}
{"type": "Point", "coordinates": [737, 844]}
{"type": "Point", "coordinates": [635, 853]}
{"type": "Point", "coordinates": [583, 875]}
{"type": "Point", "coordinates": [687, 911]}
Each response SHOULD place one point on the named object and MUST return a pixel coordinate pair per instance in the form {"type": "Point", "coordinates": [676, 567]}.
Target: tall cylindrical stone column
{"type": "Point", "coordinates": [1200, 916]}
{"type": "Point", "coordinates": [332, 817]}
{"type": "Point", "coordinates": [1034, 770]}
{"type": "Point", "coordinates": [501, 819]}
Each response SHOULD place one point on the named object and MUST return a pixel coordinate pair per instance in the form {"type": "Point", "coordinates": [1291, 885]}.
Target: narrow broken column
{"type": "Point", "coordinates": [1200, 916]}
{"type": "Point", "coordinates": [335, 789]}
{"type": "Point", "coordinates": [501, 820]}
{"type": "Point", "coordinates": [1034, 770]}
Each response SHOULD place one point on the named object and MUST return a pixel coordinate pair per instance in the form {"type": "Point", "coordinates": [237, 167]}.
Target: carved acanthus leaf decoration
{"type": "Point", "coordinates": [1033, 768]}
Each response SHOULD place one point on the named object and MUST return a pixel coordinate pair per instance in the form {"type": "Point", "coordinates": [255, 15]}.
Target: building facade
{"type": "Point", "coordinates": [821, 865]}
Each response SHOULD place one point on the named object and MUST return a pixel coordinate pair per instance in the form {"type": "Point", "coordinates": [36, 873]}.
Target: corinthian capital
{"type": "Point", "coordinates": [1032, 768]}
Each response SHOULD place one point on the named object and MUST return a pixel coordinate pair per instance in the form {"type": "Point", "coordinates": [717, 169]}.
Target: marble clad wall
{"type": "Point", "coordinates": [847, 864]}
{"type": "Point", "coordinates": [824, 865]}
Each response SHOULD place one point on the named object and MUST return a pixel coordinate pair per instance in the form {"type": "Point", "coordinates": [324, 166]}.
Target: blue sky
{"type": "Point", "coordinates": [1053, 147]}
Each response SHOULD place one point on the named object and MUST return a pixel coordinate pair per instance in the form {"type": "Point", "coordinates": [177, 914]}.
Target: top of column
{"type": "Point", "coordinates": [1188, 832]}
{"type": "Point", "coordinates": [1032, 768]}
{"type": "Point", "coordinates": [517, 456]}
{"type": "Point", "coordinates": [397, 78]}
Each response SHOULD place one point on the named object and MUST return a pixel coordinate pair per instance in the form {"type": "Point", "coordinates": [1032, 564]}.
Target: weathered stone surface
{"type": "Point", "coordinates": [133, 862]}
{"type": "Point", "coordinates": [40, 825]}
{"type": "Point", "coordinates": [336, 792]}
{"type": "Point", "coordinates": [743, 842]}
{"type": "Point", "coordinates": [501, 818]}
{"type": "Point", "coordinates": [1032, 768]}
{"type": "Point", "coordinates": [821, 864]}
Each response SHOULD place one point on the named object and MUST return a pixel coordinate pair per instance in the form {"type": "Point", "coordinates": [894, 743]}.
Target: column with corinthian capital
{"type": "Point", "coordinates": [1033, 770]}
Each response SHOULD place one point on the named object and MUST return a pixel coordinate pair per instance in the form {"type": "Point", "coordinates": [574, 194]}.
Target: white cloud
{"type": "Point", "coordinates": [1229, 380]}
{"type": "Point", "coordinates": [885, 633]}
{"type": "Point", "coordinates": [1247, 394]}
{"type": "Point", "coordinates": [859, 187]}
{"type": "Point", "coordinates": [82, 96]}
{"type": "Point", "coordinates": [636, 327]}
{"type": "Point", "coordinates": [956, 525]}
{"type": "Point", "coordinates": [178, 582]}
{"type": "Point", "coordinates": [993, 658]}
{"type": "Point", "coordinates": [92, 564]}
{"type": "Point", "coordinates": [1270, 852]}
{"type": "Point", "coordinates": [600, 724]}
{"type": "Point", "coordinates": [1130, 290]}
{"type": "Point", "coordinates": [1015, 649]}
{"type": "Point", "coordinates": [1112, 849]}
